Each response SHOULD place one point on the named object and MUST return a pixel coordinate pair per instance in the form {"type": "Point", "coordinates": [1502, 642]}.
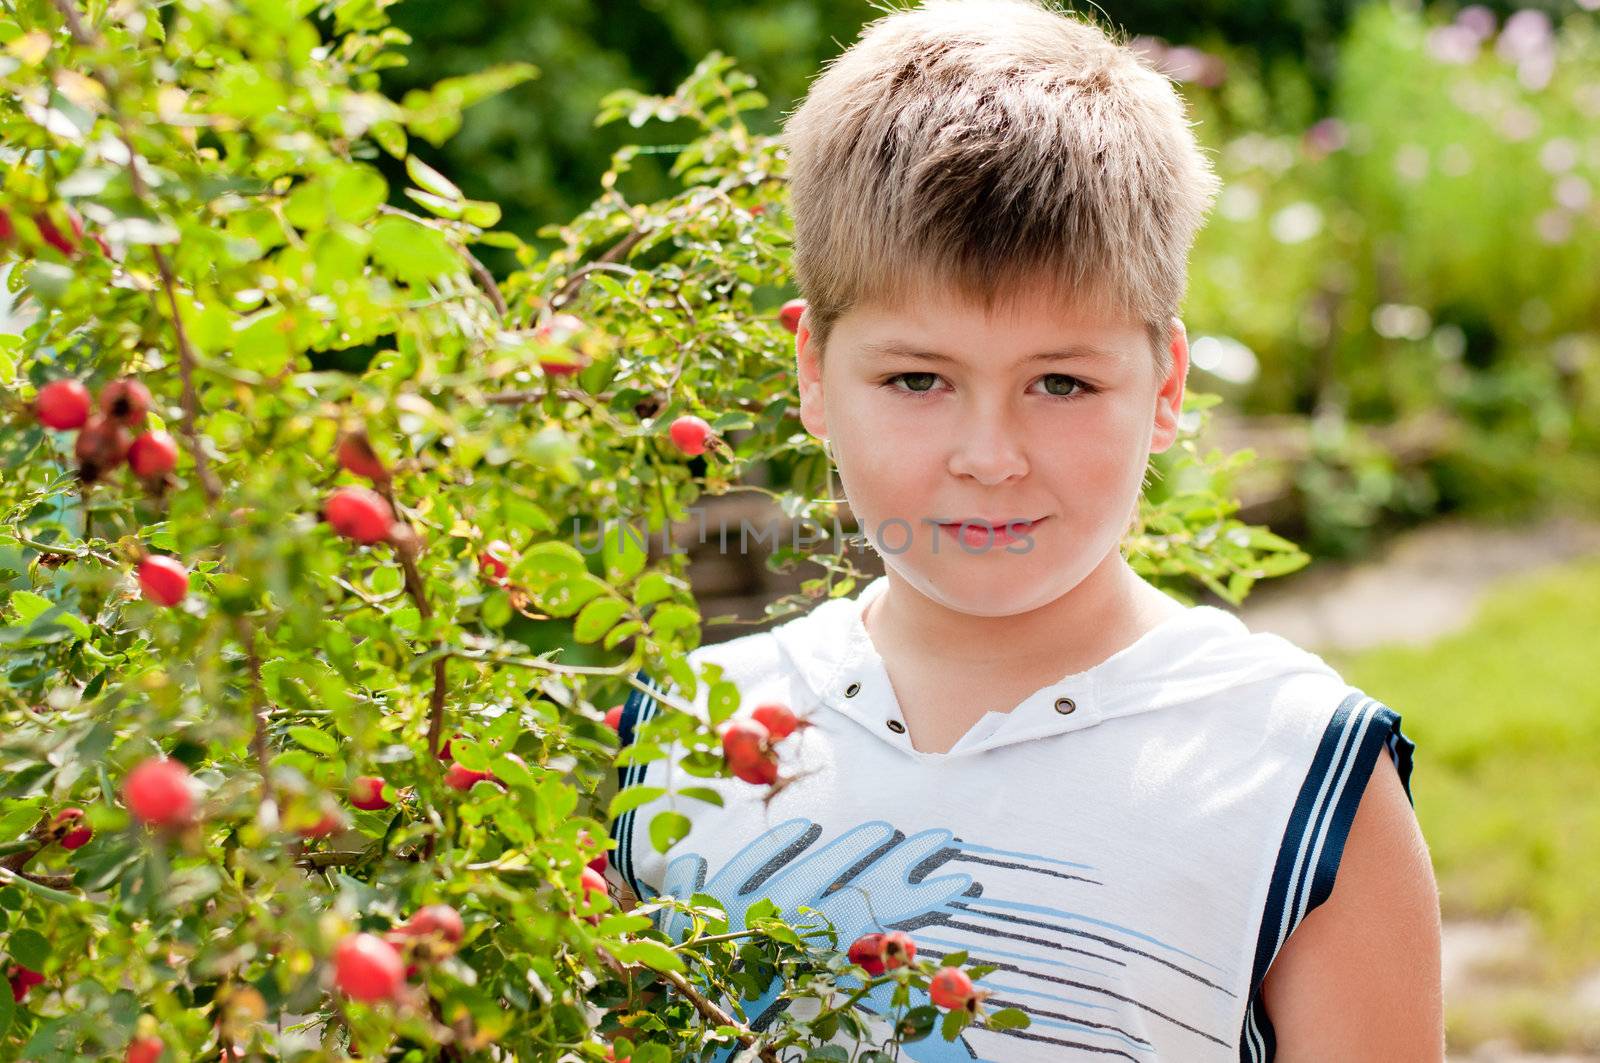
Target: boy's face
{"type": "Point", "coordinates": [988, 433]}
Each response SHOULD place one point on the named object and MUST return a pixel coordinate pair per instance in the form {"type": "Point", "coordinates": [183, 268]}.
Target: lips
{"type": "Point", "coordinates": [988, 522]}
{"type": "Point", "coordinates": [979, 533]}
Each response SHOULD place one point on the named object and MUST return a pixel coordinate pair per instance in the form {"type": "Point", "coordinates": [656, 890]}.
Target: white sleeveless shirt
{"type": "Point", "coordinates": [1129, 846]}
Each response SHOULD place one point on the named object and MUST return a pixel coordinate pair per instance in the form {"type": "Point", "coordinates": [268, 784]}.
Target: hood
{"type": "Point", "coordinates": [1192, 655]}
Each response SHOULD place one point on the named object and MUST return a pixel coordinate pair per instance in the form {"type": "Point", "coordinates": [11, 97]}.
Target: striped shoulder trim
{"type": "Point", "coordinates": [1313, 842]}
{"type": "Point", "coordinates": [638, 708]}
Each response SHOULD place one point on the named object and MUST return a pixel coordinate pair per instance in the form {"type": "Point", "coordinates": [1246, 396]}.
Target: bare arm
{"type": "Point", "coordinates": [1359, 980]}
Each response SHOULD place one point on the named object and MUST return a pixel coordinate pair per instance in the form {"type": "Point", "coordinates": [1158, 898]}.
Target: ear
{"type": "Point", "coordinates": [1169, 397]}
{"type": "Point", "coordinates": [808, 369]}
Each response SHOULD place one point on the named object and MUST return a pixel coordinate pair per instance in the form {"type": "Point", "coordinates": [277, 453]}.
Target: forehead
{"type": "Point", "coordinates": [942, 323]}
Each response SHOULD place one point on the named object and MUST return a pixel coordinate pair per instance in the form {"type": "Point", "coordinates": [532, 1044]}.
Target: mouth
{"type": "Point", "coordinates": [983, 531]}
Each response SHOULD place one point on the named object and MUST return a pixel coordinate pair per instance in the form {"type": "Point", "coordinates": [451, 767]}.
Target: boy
{"type": "Point", "coordinates": [1019, 748]}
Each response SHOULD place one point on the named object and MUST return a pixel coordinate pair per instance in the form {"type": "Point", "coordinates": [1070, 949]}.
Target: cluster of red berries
{"type": "Point", "coordinates": [50, 230]}
{"type": "Point", "coordinates": [749, 743]}
{"type": "Point", "coordinates": [950, 988]}
{"type": "Point", "coordinates": [105, 439]}
{"type": "Point", "coordinates": [372, 968]}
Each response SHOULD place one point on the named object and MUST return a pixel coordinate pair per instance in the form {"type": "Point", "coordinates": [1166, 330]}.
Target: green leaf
{"type": "Point", "coordinates": [702, 793]}
{"type": "Point", "coordinates": [315, 740]}
{"type": "Point", "coordinates": [654, 587]}
{"type": "Point", "coordinates": [1007, 1019]}
{"type": "Point", "coordinates": [623, 552]}
{"type": "Point", "coordinates": [512, 772]}
{"type": "Point", "coordinates": [597, 617]}
{"type": "Point", "coordinates": [569, 593]}
{"type": "Point", "coordinates": [632, 797]}
{"type": "Point", "coordinates": [621, 632]}
{"type": "Point", "coordinates": [29, 948]}
{"type": "Point", "coordinates": [431, 180]}
{"type": "Point", "coordinates": [649, 952]}
{"type": "Point", "coordinates": [668, 829]}
{"type": "Point", "coordinates": [672, 618]}
{"type": "Point", "coordinates": [412, 252]}
{"type": "Point", "coordinates": [953, 1023]}
{"type": "Point", "coordinates": [30, 606]}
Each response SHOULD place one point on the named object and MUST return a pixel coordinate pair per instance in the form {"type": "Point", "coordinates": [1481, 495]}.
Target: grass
{"type": "Point", "coordinates": [1506, 718]}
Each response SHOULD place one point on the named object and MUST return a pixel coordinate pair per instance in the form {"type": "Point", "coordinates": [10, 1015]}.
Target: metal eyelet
{"type": "Point", "coordinates": [897, 727]}
{"type": "Point", "coordinates": [851, 690]}
{"type": "Point", "coordinates": [1065, 705]}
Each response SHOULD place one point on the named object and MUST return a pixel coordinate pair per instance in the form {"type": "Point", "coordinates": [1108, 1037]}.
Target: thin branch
{"type": "Point", "coordinates": [616, 253]}
{"type": "Point", "coordinates": [714, 1014]}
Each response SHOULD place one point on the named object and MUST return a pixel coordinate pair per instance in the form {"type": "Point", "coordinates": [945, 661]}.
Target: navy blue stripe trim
{"type": "Point", "coordinates": [1315, 836]}
{"type": "Point", "coordinates": [638, 708]}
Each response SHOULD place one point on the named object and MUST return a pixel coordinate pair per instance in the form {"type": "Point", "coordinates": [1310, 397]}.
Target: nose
{"type": "Point", "coordinates": [988, 449]}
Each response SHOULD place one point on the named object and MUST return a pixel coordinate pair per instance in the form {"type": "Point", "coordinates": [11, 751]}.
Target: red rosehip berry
{"type": "Point", "coordinates": [125, 401]}
{"type": "Point", "coordinates": [326, 825]}
{"type": "Point", "coordinates": [144, 1050]}
{"type": "Point", "coordinates": [789, 314]}
{"type": "Point", "coordinates": [357, 456]}
{"type": "Point", "coordinates": [367, 968]}
{"type": "Point", "coordinates": [159, 791]}
{"type": "Point", "coordinates": [689, 434]}
{"type": "Point", "coordinates": [951, 989]}
{"type": "Point", "coordinates": [436, 919]}
{"type": "Point", "coordinates": [594, 883]}
{"type": "Point", "coordinates": [614, 718]}
{"type": "Point", "coordinates": [77, 838]}
{"type": "Point", "coordinates": [747, 751]}
{"type": "Point", "coordinates": [8, 229]}
{"type": "Point", "coordinates": [560, 328]}
{"type": "Point", "coordinates": [897, 950]}
{"type": "Point", "coordinates": [163, 580]}
{"type": "Point", "coordinates": [153, 454]}
{"type": "Point", "coordinates": [51, 233]}
{"type": "Point", "coordinates": [866, 951]}
{"type": "Point", "coordinates": [22, 979]}
{"type": "Point", "coordinates": [366, 793]}
{"type": "Point", "coordinates": [778, 719]}
{"type": "Point", "coordinates": [461, 777]}
{"type": "Point", "coordinates": [491, 561]}
{"type": "Point", "coordinates": [62, 405]}
{"type": "Point", "coordinates": [359, 513]}
{"type": "Point", "coordinates": [69, 830]}
{"type": "Point", "coordinates": [101, 446]}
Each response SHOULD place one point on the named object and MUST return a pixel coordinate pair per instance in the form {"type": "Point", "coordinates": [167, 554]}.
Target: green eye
{"type": "Point", "coordinates": [1061, 378]}
{"type": "Point", "coordinates": [929, 377]}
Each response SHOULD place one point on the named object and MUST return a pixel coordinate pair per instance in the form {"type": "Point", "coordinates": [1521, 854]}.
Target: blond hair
{"type": "Point", "coordinates": [994, 145]}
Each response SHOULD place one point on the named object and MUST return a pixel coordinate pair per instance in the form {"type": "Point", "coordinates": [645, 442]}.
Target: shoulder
{"type": "Point", "coordinates": [1359, 978]}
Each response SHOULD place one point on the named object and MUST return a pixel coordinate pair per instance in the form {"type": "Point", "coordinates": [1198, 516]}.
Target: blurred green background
{"type": "Point", "coordinates": [1398, 296]}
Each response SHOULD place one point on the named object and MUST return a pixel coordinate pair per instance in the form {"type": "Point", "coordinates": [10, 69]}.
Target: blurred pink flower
{"type": "Point", "coordinates": [1453, 44]}
{"type": "Point", "coordinates": [1184, 63]}
{"type": "Point", "coordinates": [1527, 34]}
{"type": "Point", "coordinates": [1478, 19]}
{"type": "Point", "coordinates": [1325, 137]}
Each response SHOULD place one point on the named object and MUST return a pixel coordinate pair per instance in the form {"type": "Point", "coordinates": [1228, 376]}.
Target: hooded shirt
{"type": "Point", "coordinates": [1129, 847]}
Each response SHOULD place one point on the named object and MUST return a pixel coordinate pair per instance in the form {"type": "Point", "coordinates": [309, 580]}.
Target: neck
{"type": "Point", "coordinates": [1106, 611]}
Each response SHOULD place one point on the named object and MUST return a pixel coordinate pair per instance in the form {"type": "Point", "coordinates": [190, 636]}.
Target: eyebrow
{"type": "Point", "coordinates": [897, 349]}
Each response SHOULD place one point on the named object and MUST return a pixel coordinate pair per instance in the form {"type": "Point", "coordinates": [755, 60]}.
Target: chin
{"type": "Point", "coordinates": [982, 589]}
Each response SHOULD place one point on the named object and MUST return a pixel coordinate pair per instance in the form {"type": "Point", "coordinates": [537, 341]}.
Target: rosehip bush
{"type": "Point", "coordinates": [346, 579]}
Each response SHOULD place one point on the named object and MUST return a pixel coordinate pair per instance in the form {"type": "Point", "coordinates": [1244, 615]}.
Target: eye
{"type": "Point", "coordinates": [929, 377]}
{"type": "Point", "coordinates": [1080, 388]}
